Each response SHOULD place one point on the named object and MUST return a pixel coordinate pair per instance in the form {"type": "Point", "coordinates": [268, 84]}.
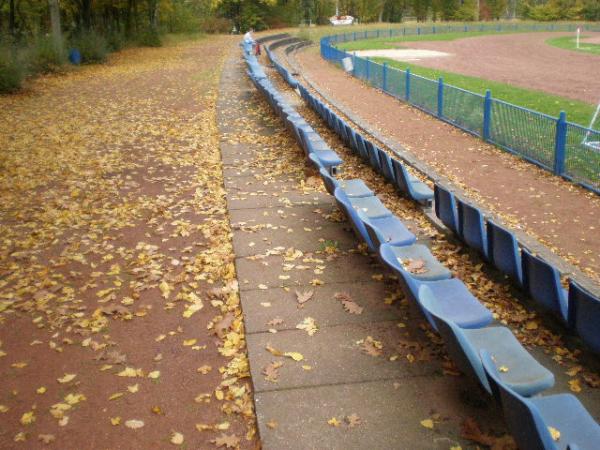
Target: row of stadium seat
{"type": "Point", "coordinates": [514, 375]}
{"type": "Point", "coordinates": [577, 308]}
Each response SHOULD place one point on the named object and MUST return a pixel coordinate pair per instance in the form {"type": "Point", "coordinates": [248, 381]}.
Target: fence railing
{"type": "Point", "coordinates": [566, 149]}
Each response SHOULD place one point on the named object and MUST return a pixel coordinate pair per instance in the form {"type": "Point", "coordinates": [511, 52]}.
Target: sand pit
{"type": "Point", "coordinates": [403, 54]}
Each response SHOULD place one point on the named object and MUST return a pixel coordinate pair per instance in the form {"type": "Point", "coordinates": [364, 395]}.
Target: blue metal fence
{"type": "Point", "coordinates": [564, 148]}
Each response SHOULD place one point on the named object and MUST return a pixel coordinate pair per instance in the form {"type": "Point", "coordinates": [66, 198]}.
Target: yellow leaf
{"type": "Point", "coordinates": [502, 369]}
{"type": "Point", "coordinates": [28, 418]}
{"type": "Point", "coordinates": [575, 385]}
{"type": "Point", "coordinates": [189, 342]}
{"type": "Point", "coordinates": [66, 378]}
{"type": "Point", "coordinates": [204, 369]}
{"type": "Point", "coordinates": [73, 399]}
{"type": "Point", "coordinates": [427, 423]}
{"type": "Point", "coordinates": [334, 422]}
{"type": "Point", "coordinates": [116, 396]}
{"type": "Point", "coordinates": [554, 433]}
{"type": "Point", "coordinates": [20, 437]}
{"type": "Point", "coordinates": [41, 390]}
{"type": "Point", "coordinates": [19, 365]}
{"type": "Point", "coordinates": [3, 409]}
{"type": "Point", "coordinates": [134, 424]}
{"type": "Point", "coordinates": [294, 355]}
{"type": "Point", "coordinates": [130, 372]}
{"type": "Point", "coordinates": [133, 388]}
{"type": "Point", "coordinates": [165, 289]}
{"type": "Point", "coordinates": [115, 420]}
{"type": "Point", "coordinates": [155, 374]}
{"type": "Point", "coordinates": [176, 438]}
{"type": "Point", "coordinates": [531, 325]}
{"type": "Point", "coordinates": [219, 394]}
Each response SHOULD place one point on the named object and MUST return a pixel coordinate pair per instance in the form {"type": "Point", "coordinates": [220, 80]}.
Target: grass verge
{"type": "Point", "coordinates": [577, 111]}
{"type": "Point", "coordinates": [568, 43]}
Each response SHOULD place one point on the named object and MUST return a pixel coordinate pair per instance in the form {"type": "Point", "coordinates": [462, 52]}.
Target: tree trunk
{"type": "Point", "coordinates": [55, 20]}
{"type": "Point", "coordinates": [11, 19]}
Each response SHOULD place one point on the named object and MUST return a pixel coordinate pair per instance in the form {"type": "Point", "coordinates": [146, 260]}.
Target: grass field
{"type": "Point", "coordinates": [577, 111]}
{"type": "Point", "coordinates": [568, 43]}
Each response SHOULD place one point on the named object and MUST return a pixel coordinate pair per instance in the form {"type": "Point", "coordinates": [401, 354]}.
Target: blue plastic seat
{"type": "Point", "coordinates": [372, 155]}
{"type": "Point", "coordinates": [584, 315]}
{"type": "Point", "coordinates": [521, 371]}
{"type": "Point", "coordinates": [361, 148]}
{"type": "Point", "coordinates": [529, 419]}
{"type": "Point", "coordinates": [316, 163]}
{"type": "Point", "coordinates": [371, 207]}
{"type": "Point", "coordinates": [503, 252]}
{"type": "Point", "coordinates": [542, 282]}
{"type": "Point", "coordinates": [433, 270]}
{"type": "Point", "coordinates": [459, 304]}
{"type": "Point", "coordinates": [356, 222]}
{"type": "Point", "coordinates": [385, 163]}
{"type": "Point", "coordinates": [409, 186]}
{"type": "Point", "coordinates": [387, 230]}
{"type": "Point", "coordinates": [353, 188]}
{"type": "Point", "coordinates": [445, 207]}
{"type": "Point", "coordinates": [471, 227]}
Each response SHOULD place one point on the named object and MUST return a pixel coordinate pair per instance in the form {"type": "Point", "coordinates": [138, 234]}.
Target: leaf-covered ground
{"type": "Point", "coordinates": [120, 324]}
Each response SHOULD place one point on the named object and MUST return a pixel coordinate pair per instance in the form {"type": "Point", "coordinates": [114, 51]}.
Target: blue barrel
{"type": "Point", "coordinates": [75, 56]}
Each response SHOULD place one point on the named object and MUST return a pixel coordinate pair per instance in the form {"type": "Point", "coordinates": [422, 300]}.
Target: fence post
{"type": "Point", "coordinates": [377, 33]}
{"type": "Point", "coordinates": [434, 29]}
{"type": "Point", "coordinates": [487, 115]}
{"type": "Point", "coordinates": [440, 98]}
{"type": "Point", "coordinates": [407, 85]}
{"type": "Point", "coordinates": [368, 67]}
{"type": "Point", "coordinates": [418, 31]}
{"type": "Point", "coordinates": [384, 77]}
{"type": "Point", "coordinates": [354, 36]}
{"type": "Point", "coordinates": [560, 144]}
{"type": "Point", "coordinates": [390, 32]}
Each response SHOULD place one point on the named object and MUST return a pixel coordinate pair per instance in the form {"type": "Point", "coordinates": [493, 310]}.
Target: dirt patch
{"type": "Point", "coordinates": [562, 216]}
{"type": "Point", "coordinates": [525, 60]}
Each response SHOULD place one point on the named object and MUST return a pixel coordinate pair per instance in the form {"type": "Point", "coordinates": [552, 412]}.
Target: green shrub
{"type": "Point", "coordinates": [149, 38]}
{"type": "Point", "coordinates": [92, 46]}
{"type": "Point", "coordinates": [12, 72]}
{"type": "Point", "coordinates": [44, 58]}
{"type": "Point", "coordinates": [115, 41]}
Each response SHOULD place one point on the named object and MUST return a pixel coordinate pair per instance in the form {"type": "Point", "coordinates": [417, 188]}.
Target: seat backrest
{"type": "Point", "coordinates": [353, 141]}
{"type": "Point", "coordinates": [522, 417]}
{"type": "Point", "coordinates": [330, 182]}
{"type": "Point", "coordinates": [375, 235]}
{"type": "Point", "coordinates": [459, 348]}
{"type": "Point", "coordinates": [385, 163]}
{"type": "Point", "coordinates": [503, 251]}
{"type": "Point", "coordinates": [542, 282]}
{"type": "Point", "coordinates": [373, 155]}
{"type": "Point", "coordinates": [584, 315]}
{"type": "Point", "coordinates": [471, 227]}
{"type": "Point", "coordinates": [388, 256]}
{"type": "Point", "coordinates": [445, 207]}
{"type": "Point", "coordinates": [316, 162]}
{"type": "Point", "coordinates": [401, 177]}
{"type": "Point", "coordinates": [357, 224]}
{"type": "Point", "coordinates": [361, 148]}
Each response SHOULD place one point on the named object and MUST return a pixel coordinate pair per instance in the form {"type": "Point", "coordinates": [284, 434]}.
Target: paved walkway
{"type": "Point", "coordinates": [363, 380]}
{"type": "Point", "coordinates": [554, 212]}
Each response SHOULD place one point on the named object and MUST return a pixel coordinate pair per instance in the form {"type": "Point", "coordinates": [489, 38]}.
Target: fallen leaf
{"type": "Point", "coordinates": [353, 420]}
{"type": "Point", "coordinates": [176, 438]}
{"type": "Point", "coordinates": [575, 385]}
{"type": "Point", "coordinates": [470, 430]}
{"type": "Point", "coordinates": [115, 421]}
{"type": "Point", "coordinates": [155, 374]}
{"type": "Point", "coordinates": [271, 371]}
{"type": "Point", "coordinates": [134, 424]}
{"type": "Point", "coordinates": [427, 423]}
{"type": "Point", "coordinates": [228, 441]}
{"type": "Point", "coordinates": [294, 355]}
{"type": "Point", "coordinates": [66, 378]}
{"type": "Point", "coordinates": [303, 297]}
{"type": "Point", "coordinates": [372, 347]}
{"type": "Point", "coordinates": [308, 325]}
{"type": "Point", "coordinates": [334, 422]}
{"type": "Point", "coordinates": [47, 438]}
{"type": "Point", "coordinates": [554, 433]}
{"type": "Point", "coordinates": [27, 418]}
